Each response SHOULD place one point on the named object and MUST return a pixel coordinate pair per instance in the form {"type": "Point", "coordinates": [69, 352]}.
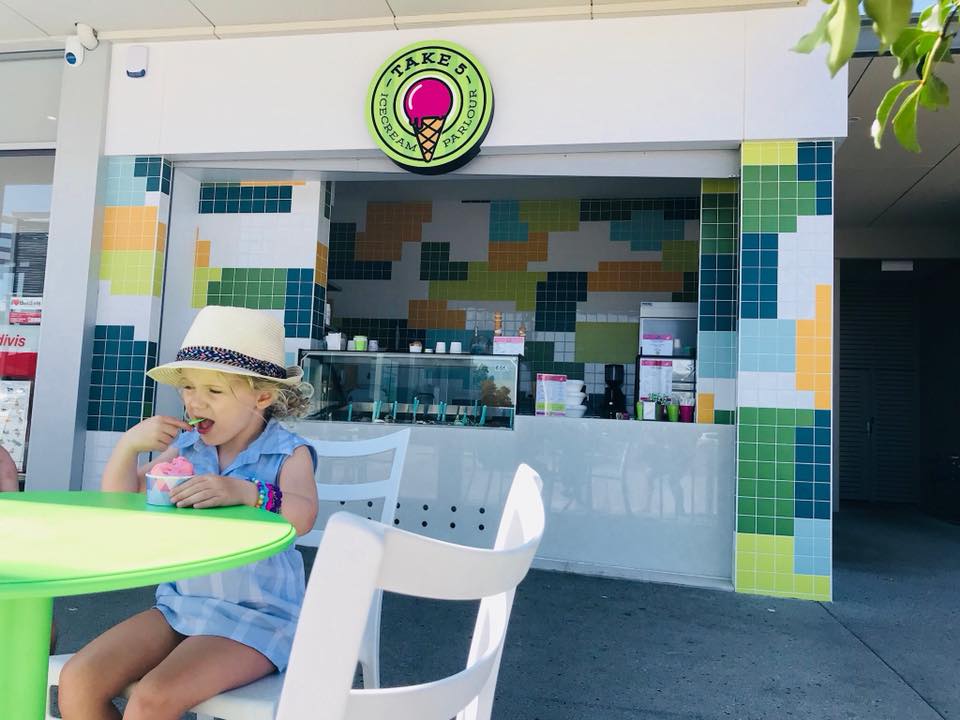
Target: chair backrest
{"type": "Point", "coordinates": [388, 489]}
{"type": "Point", "coordinates": [357, 558]}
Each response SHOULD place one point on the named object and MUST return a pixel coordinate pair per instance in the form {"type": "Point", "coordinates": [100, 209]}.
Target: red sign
{"type": "Point", "coordinates": [25, 310]}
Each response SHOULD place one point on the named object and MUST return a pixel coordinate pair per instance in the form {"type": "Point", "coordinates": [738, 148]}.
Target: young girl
{"type": "Point", "coordinates": [209, 634]}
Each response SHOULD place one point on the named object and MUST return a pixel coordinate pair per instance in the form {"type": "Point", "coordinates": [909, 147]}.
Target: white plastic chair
{"type": "Point", "coordinates": [358, 558]}
{"type": "Point", "coordinates": [254, 700]}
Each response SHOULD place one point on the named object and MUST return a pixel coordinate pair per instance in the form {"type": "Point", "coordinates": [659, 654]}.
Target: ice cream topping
{"type": "Point", "coordinates": [178, 467]}
{"type": "Point", "coordinates": [427, 98]}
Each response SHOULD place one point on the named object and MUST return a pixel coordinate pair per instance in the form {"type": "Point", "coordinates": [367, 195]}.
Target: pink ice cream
{"type": "Point", "coordinates": [178, 467]}
{"type": "Point", "coordinates": [427, 98]}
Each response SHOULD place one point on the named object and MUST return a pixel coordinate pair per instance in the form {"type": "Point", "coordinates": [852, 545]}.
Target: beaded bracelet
{"type": "Point", "coordinates": [269, 496]}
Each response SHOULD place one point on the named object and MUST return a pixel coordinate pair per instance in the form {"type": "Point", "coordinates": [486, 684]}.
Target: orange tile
{"type": "Point", "coordinates": [824, 294]}
{"type": "Point", "coordinates": [805, 381]}
{"type": "Point", "coordinates": [805, 364]}
{"type": "Point", "coordinates": [821, 399]}
{"type": "Point", "coordinates": [705, 407]}
{"type": "Point", "coordinates": [806, 328]}
{"type": "Point", "coordinates": [805, 346]}
{"type": "Point", "coordinates": [824, 364]}
{"type": "Point", "coordinates": [822, 346]}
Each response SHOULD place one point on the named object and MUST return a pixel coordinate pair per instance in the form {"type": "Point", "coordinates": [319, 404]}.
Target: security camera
{"type": "Point", "coordinates": [73, 51]}
{"type": "Point", "coordinates": [75, 45]}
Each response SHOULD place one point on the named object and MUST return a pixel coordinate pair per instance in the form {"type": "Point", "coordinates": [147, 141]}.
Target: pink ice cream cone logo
{"type": "Point", "coordinates": [427, 103]}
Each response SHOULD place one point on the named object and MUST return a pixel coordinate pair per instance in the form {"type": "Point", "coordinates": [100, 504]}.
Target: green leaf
{"type": "Point", "coordinates": [843, 30]}
{"type": "Point", "coordinates": [890, 18]}
{"type": "Point", "coordinates": [905, 123]}
{"type": "Point", "coordinates": [884, 108]}
{"type": "Point", "coordinates": [818, 35]}
{"type": "Point", "coordinates": [935, 93]}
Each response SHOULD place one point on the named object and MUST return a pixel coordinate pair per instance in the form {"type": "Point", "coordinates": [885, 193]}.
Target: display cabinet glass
{"type": "Point", "coordinates": [470, 391]}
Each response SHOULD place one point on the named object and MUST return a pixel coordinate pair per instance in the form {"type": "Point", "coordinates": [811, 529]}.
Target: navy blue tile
{"type": "Point", "coordinates": [750, 258]}
{"type": "Point", "coordinates": [751, 275]}
{"type": "Point", "coordinates": [806, 153]}
{"type": "Point", "coordinates": [272, 206]}
{"type": "Point", "coordinates": [822, 436]}
{"type": "Point", "coordinates": [708, 322]}
{"type": "Point", "coordinates": [804, 436]}
{"type": "Point", "coordinates": [768, 258]}
{"type": "Point", "coordinates": [804, 509]}
{"type": "Point", "coordinates": [725, 292]}
{"type": "Point", "coordinates": [806, 172]}
{"type": "Point", "coordinates": [153, 184]}
{"type": "Point", "coordinates": [768, 311]}
{"type": "Point", "coordinates": [821, 473]}
{"type": "Point", "coordinates": [821, 510]}
{"type": "Point", "coordinates": [821, 454]}
{"type": "Point", "coordinates": [768, 241]}
{"type": "Point", "coordinates": [750, 310]}
{"type": "Point", "coordinates": [821, 491]}
{"type": "Point", "coordinates": [233, 192]}
{"type": "Point", "coordinates": [283, 206]}
{"type": "Point", "coordinates": [824, 207]}
{"type": "Point", "coordinates": [126, 332]}
{"type": "Point", "coordinates": [804, 454]}
{"type": "Point", "coordinates": [824, 154]}
{"type": "Point", "coordinates": [768, 293]}
{"type": "Point", "coordinates": [822, 418]}
{"type": "Point", "coordinates": [768, 276]}
{"type": "Point", "coordinates": [206, 206]}
{"type": "Point", "coordinates": [751, 241]}
{"type": "Point", "coordinates": [803, 490]}
{"type": "Point", "coordinates": [273, 192]}
{"type": "Point", "coordinates": [708, 292]}
{"type": "Point", "coordinates": [206, 192]}
{"type": "Point", "coordinates": [286, 192]}
{"type": "Point", "coordinates": [708, 261]}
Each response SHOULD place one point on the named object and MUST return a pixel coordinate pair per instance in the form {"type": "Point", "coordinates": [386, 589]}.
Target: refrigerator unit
{"type": "Point", "coordinates": [666, 361]}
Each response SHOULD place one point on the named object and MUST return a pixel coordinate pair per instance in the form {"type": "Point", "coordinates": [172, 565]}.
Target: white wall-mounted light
{"type": "Point", "coordinates": [136, 61]}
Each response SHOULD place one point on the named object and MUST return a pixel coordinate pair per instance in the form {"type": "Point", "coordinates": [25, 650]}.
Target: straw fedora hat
{"type": "Point", "coordinates": [233, 340]}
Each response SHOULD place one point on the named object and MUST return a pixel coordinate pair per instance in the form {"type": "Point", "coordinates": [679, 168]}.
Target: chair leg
{"type": "Point", "coordinates": [371, 674]}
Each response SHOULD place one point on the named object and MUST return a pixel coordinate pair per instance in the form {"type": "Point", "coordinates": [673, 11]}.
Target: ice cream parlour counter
{"type": "Point", "coordinates": [453, 390]}
{"type": "Point", "coordinates": [652, 500]}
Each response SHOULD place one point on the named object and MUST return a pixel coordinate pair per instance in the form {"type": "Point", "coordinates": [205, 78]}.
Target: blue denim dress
{"type": "Point", "coordinates": [257, 604]}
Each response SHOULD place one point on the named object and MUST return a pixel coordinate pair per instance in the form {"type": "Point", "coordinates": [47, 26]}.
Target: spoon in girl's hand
{"type": "Point", "coordinates": [195, 421]}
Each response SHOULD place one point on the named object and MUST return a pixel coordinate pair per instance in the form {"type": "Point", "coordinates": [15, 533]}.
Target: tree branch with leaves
{"type": "Point", "coordinates": [920, 46]}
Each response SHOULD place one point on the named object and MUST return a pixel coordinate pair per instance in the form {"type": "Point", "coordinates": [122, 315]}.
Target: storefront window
{"type": "Point", "coordinates": [25, 187]}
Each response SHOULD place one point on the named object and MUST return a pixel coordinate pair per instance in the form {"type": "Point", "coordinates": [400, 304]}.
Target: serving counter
{"type": "Point", "coordinates": [627, 499]}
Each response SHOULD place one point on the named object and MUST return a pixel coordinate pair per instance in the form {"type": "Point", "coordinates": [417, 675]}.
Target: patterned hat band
{"type": "Point", "coordinates": [222, 356]}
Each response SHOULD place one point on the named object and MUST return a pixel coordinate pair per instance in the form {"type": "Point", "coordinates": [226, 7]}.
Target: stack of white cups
{"type": "Point", "coordinates": [574, 396]}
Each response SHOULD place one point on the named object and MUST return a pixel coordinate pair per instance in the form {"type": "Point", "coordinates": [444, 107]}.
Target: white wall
{"type": "Point", "coordinates": [29, 95]}
{"type": "Point", "coordinates": [707, 80]}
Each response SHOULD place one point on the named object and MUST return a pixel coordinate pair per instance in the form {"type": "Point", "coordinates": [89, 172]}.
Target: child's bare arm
{"type": "Point", "coordinates": [8, 472]}
{"type": "Point", "coordinates": [155, 433]}
{"type": "Point", "coordinates": [299, 489]}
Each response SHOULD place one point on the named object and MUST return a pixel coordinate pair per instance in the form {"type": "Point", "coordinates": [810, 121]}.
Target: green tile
{"type": "Point", "coordinates": [786, 434]}
{"type": "Point", "coordinates": [766, 470]}
{"type": "Point", "coordinates": [752, 223]}
{"type": "Point", "coordinates": [788, 206]}
{"type": "Point", "coordinates": [749, 416]}
{"type": "Point", "coordinates": [785, 471]}
{"type": "Point", "coordinates": [748, 433]}
{"type": "Point", "coordinates": [769, 190]}
{"type": "Point", "coordinates": [805, 418]}
{"type": "Point", "coordinates": [770, 207]}
{"type": "Point", "coordinates": [784, 508]}
{"type": "Point", "coordinates": [723, 417]}
{"type": "Point", "coordinates": [788, 172]}
{"type": "Point", "coordinates": [785, 488]}
{"type": "Point", "coordinates": [606, 342]}
{"type": "Point", "coordinates": [806, 207]}
{"type": "Point", "coordinates": [748, 451]}
{"type": "Point", "coordinates": [748, 506]}
{"type": "Point", "coordinates": [751, 190]}
{"type": "Point", "coordinates": [786, 417]}
{"type": "Point", "coordinates": [782, 527]}
{"type": "Point", "coordinates": [746, 524]}
{"type": "Point", "coordinates": [785, 453]}
{"type": "Point", "coordinates": [788, 223]}
{"type": "Point", "coordinates": [766, 434]}
{"type": "Point", "coordinates": [766, 416]}
{"type": "Point", "coordinates": [766, 507]}
{"type": "Point", "coordinates": [770, 224]}
{"type": "Point", "coordinates": [766, 452]}
{"type": "Point", "coordinates": [788, 190]}
{"type": "Point", "coordinates": [769, 172]}
{"type": "Point", "coordinates": [806, 190]}
{"type": "Point", "coordinates": [750, 173]}
{"type": "Point", "coordinates": [746, 487]}
{"type": "Point", "coordinates": [765, 525]}
{"type": "Point", "coordinates": [766, 489]}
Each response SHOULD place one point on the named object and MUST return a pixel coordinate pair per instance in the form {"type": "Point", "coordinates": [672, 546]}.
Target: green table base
{"type": "Point", "coordinates": [25, 633]}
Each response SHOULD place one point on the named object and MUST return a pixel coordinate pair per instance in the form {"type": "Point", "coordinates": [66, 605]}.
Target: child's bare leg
{"type": "Point", "coordinates": [99, 672]}
{"type": "Point", "coordinates": [198, 668]}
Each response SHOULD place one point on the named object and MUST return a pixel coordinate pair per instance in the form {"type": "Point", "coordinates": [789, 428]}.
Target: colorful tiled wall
{"type": "Point", "coordinates": [717, 315]}
{"type": "Point", "coordinates": [572, 271]}
{"type": "Point", "coordinates": [265, 245]}
{"type": "Point", "coordinates": [784, 412]}
{"type": "Point", "coordinates": [136, 204]}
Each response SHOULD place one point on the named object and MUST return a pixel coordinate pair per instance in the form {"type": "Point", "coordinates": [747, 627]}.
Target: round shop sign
{"type": "Point", "coordinates": [429, 107]}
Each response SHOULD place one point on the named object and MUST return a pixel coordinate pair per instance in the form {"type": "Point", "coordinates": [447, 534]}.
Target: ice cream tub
{"type": "Point", "coordinates": [164, 477]}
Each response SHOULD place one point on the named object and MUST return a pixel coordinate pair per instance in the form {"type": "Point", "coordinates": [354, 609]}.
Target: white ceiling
{"type": "Point", "coordinates": [892, 186]}
{"type": "Point", "coordinates": [31, 24]}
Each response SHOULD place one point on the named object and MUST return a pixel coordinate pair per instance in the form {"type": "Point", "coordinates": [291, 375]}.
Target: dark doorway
{"type": "Point", "coordinates": [899, 391]}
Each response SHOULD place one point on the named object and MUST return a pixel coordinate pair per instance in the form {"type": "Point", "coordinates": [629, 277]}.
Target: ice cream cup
{"type": "Point", "coordinates": [159, 487]}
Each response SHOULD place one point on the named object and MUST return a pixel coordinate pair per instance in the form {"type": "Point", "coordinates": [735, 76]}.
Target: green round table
{"type": "Point", "coordinates": [71, 543]}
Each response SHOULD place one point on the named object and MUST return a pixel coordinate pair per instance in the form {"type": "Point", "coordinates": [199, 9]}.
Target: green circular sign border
{"type": "Point", "coordinates": [461, 156]}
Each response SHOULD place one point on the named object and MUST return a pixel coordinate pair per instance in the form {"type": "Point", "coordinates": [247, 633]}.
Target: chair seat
{"type": "Point", "coordinates": [256, 701]}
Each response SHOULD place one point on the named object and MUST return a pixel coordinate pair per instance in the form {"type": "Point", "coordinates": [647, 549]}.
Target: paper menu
{"type": "Point", "coordinates": [656, 377]}
{"type": "Point", "coordinates": [14, 416]}
{"type": "Point", "coordinates": [656, 344]}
